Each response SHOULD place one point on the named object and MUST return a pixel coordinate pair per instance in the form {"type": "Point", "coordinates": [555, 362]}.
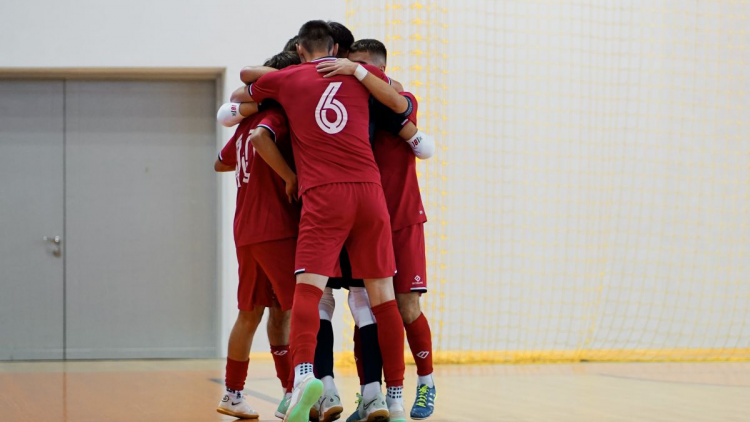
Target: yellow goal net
{"type": "Point", "coordinates": [590, 196]}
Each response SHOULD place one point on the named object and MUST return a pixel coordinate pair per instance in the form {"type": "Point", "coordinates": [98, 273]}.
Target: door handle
{"type": "Point", "coordinates": [56, 240]}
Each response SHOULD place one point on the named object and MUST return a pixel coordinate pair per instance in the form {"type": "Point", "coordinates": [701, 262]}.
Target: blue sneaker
{"type": "Point", "coordinates": [424, 404]}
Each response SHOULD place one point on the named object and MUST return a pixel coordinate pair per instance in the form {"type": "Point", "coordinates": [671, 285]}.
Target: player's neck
{"type": "Point", "coordinates": [315, 55]}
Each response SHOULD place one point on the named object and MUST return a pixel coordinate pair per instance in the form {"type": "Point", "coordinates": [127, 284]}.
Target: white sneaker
{"type": "Point", "coordinates": [234, 404]}
{"type": "Point", "coordinates": [304, 396]}
{"type": "Point", "coordinates": [328, 408]}
{"type": "Point", "coordinates": [396, 411]}
{"type": "Point", "coordinates": [372, 410]}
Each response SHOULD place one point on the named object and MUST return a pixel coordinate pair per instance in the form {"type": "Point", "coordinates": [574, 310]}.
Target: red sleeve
{"type": "Point", "coordinates": [228, 154]}
{"type": "Point", "coordinates": [274, 120]}
{"type": "Point", "coordinates": [377, 72]}
{"type": "Point", "coordinates": [267, 86]}
{"type": "Point", "coordinates": [413, 115]}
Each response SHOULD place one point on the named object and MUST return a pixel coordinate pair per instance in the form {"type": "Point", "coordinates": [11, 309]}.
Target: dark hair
{"type": "Point", "coordinates": [291, 45]}
{"type": "Point", "coordinates": [282, 60]}
{"type": "Point", "coordinates": [316, 36]}
{"type": "Point", "coordinates": [374, 47]}
{"type": "Point", "coordinates": [341, 36]}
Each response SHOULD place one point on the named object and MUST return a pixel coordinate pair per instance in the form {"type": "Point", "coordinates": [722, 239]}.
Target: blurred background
{"type": "Point", "coordinates": [589, 199]}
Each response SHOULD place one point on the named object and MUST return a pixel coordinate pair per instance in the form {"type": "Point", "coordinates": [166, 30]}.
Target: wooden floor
{"type": "Point", "coordinates": [113, 391]}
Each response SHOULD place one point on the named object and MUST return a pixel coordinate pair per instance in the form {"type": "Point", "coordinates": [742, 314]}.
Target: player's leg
{"type": "Point", "coordinates": [409, 283]}
{"type": "Point", "coordinates": [277, 260]}
{"type": "Point", "coordinates": [371, 405]}
{"type": "Point", "coordinates": [328, 407]}
{"type": "Point", "coordinates": [370, 247]}
{"type": "Point", "coordinates": [278, 338]}
{"type": "Point", "coordinates": [305, 323]}
{"type": "Point", "coordinates": [240, 339]}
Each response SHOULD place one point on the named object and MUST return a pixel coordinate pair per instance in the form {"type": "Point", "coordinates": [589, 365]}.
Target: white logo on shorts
{"type": "Point", "coordinates": [417, 279]}
{"type": "Point", "coordinates": [423, 354]}
{"type": "Point", "coordinates": [280, 352]}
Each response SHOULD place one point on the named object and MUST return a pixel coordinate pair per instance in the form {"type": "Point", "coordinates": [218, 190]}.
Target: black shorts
{"type": "Point", "coordinates": [346, 280]}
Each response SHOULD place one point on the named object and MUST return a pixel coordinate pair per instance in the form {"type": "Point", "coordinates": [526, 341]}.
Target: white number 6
{"type": "Point", "coordinates": [327, 102]}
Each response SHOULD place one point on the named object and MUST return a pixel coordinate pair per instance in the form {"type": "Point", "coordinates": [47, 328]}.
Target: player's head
{"type": "Point", "coordinates": [369, 51]}
{"type": "Point", "coordinates": [282, 60]}
{"type": "Point", "coordinates": [315, 41]}
{"type": "Point", "coordinates": [291, 45]}
{"type": "Point", "coordinates": [343, 37]}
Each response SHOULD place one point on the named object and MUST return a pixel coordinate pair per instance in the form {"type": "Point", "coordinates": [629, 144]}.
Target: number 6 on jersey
{"type": "Point", "coordinates": [327, 102]}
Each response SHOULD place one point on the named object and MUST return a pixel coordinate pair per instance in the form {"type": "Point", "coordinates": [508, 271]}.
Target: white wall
{"type": "Point", "coordinates": [161, 34]}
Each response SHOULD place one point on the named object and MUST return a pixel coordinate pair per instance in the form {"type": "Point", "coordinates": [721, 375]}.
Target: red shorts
{"type": "Point", "coordinates": [266, 274]}
{"type": "Point", "coordinates": [408, 246]}
{"type": "Point", "coordinates": [345, 214]}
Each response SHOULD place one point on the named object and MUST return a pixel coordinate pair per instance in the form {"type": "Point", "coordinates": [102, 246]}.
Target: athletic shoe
{"type": "Point", "coordinates": [304, 396]}
{"type": "Point", "coordinates": [328, 408]}
{"type": "Point", "coordinates": [234, 404]}
{"type": "Point", "coordinates": [375, 410]}
{"type": "Point", "coordinates": [283, 406]}
{"type": "Point", "coordinates": [396, 411]}
{"type": "Point", "coordinates": [424, 404]}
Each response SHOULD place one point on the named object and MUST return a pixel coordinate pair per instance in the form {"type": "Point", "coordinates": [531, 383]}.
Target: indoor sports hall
{"type": "Point", "coordinates": [588, 206]}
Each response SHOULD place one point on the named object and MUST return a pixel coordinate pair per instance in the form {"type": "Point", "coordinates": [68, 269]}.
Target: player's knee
{"type": "Point", "coordinates": [380, 290]}
{"type": "Point", "coordinates": [408, 306]}
{"type": "Point", "coordinates": [250, 318]}
{"type": "Point", "coordinates": [278, 319]}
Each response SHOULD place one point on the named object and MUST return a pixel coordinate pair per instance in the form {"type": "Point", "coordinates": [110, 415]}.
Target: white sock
{"type": "Point", "coordinates": [329, 386]}
{"type": "Point", "coordinates": [395, 396]}
{"type": "Point", "coordinates": [426, 379]}
{"type": "Point", "coordinates": [369, 391]}
{"type": "Point", "coordinates": [301, 370]}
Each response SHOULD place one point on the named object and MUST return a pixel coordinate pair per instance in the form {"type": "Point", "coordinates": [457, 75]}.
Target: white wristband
{"type": "Point", "coordinates": [360, 73]}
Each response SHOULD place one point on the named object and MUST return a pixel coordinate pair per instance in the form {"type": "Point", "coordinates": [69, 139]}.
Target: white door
{"type": "Point", "coordinates": [31, 208]}
{"type": "Point", "coordinates": [141, 220]}
{"type": "Point", "coordinates": [122, 173]}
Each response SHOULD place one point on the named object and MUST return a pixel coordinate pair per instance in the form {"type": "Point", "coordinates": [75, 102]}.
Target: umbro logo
{"type": "Point", "coordinates": [281, 352]}
{"type": "Point", "coordinates": [423, 354]}
{"type": "Point", "coordinates": [417, 279]}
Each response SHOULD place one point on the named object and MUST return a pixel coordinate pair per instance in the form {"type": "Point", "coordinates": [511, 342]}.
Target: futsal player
{"type": "Point", "coordinates": [399, 179]}
{"type": "Point", "coordinates": [343, 204]}
{"type": "Point", "coordinates": [265, 231]}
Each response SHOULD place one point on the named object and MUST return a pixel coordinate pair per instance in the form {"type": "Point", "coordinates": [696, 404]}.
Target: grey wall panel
{"type": "Point", "coordinates": [31, 207]}
{"type": "Point", "coordinates": [141, 220]}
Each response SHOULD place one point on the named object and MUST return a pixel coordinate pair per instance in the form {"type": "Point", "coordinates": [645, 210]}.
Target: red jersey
{"type": "Point", "coordinates": [329, 123]}
{"type": "Point", "coordinates": [398, 172]}
{"type": "Point", "coordinates": [263, 212]}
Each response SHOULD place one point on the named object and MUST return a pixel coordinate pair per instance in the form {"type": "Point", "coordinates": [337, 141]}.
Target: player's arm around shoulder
{"type": "Point", "coordinates": [379, 89]}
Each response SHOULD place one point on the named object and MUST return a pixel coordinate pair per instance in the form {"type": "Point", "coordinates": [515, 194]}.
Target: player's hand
{"type": "Point", "coordinates": [291, 188]}
{"type": "Point", "coordinates": [337, 67]}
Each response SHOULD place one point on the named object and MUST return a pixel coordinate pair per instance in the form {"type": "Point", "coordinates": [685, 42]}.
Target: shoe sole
{"type": "Point", "coordinates": [236, 414]}
{"type": "Point", "coordinates": [301, 412]}
{"type": "Point", "coordinates": [378, 416]}
{"type": "Point", "coordinates": [279, 415]}
{"type": "Point", "coordinates": [332, 414]}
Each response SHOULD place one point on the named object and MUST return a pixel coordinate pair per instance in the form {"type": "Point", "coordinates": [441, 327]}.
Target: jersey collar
{"type": "Point", "coordinates": [322, 59]}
